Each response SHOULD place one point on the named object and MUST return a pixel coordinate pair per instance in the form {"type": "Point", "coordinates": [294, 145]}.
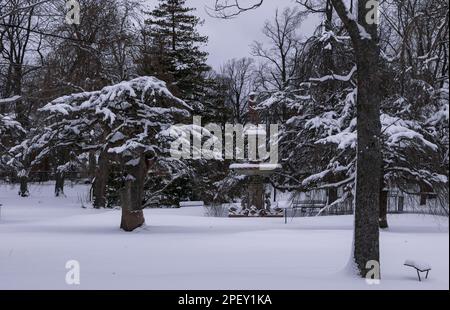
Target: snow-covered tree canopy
{"type": "Point", "coordinates": [9, 126]}
{"type": "Point", "coordinates": [125, 120]}
{"type": "Point", "coordinates": [10, 130]}
{"type": "Point", "coordinates": [319, 138]}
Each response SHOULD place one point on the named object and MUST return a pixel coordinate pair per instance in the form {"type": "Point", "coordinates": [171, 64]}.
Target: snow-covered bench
{"type": "Point", "coordinates": [184, 204]}
{"type": "Point", "coordinates": [420, 267]}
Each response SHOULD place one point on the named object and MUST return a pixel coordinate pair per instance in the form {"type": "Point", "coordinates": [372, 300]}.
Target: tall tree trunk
{"type": "Point", "coordinates": [131, 196]}
{"type": "Point", "coordinates": [100, 181]}
{"type": "Point", "coordinates": [369, 158]}
{"type": "Point", "coordinates": [59, 185]}
{"type": "Point", "coordinates": [364, 34]}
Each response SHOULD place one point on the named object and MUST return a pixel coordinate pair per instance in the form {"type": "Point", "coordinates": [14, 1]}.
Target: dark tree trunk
{"type": "Point", "coordinates": [332, 195]}
{"type": "Point", "coordinates": [424, 190]}
{"type": "Point", "coordinates": [131, 196]}
{"type": "Point", "coordinates": [92, 165]}
{"type": "Point", "coordinates": [59, 185]}
{"type": "Point", "coordinates": [21, 108]}
{"type": "Point", "coordinates": [369, 159]}
{"type": "Point", "coordinates": [423, 200]}
{"type": "Point", "coordinates": [383, 209]}
{"type": "Point", "coordinates": [24, 186]}
{"type": "Point", "coordinates": [100, 181]}
{"type": "Point", "coordinates": [364, 35]}
{"type": "Point", "coordinates": [328, 64]}
{"type": "Point", "coordinates": [131, 219]}
{"type": "Point", "coordinates": [383, 203]}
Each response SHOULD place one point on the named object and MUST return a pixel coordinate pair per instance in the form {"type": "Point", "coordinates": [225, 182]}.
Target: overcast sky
{"type": "Point", "coordinates": [232, 38]}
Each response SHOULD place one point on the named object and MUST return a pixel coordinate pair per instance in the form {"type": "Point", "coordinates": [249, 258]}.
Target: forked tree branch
{"type": "Point", "coordinates": [231, 8]}
{"type": "Point", "coordinates": [23, 8]}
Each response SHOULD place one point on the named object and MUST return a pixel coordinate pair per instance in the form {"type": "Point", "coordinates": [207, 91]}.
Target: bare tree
{"type": "Point", "coordinates": [231, 8]}
{"type": "Point", "coordinates": [282, 54]}
{"type": "Point", "coordinates": [238, 77]}
{"type": "Point", "coordinates": [15, 34]}
{"type": "Point", "coordinates": [12, 7]}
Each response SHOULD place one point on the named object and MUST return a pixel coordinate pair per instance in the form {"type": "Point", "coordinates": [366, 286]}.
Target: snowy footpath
{"type": "Point", "coordinates": [183, 249]}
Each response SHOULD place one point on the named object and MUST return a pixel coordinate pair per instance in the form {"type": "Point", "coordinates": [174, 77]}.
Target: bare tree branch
{"type": "Point", "coordinates": [227, 9]}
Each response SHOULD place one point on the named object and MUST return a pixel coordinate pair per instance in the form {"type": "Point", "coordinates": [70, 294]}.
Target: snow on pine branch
{"type": "Point", "coordinates": [336, 77]}
{"type": "Point", "coordinates": [123, 119]}
{"type": "Point", "coordinates": [112, 97]}
{"type": "Point", "coordinates": [11, 100]}
{"type": "Point", "coordinates": [441, 114]}
{"type": "Point", "coordinates": [396, 132]}
{"type": "Point", "coordinates": [9, 124]}
{"type": "Point", "coordinates": [399, 131]}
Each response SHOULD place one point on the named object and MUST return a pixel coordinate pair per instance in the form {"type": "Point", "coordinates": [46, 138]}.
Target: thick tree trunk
{"type": "Point", "coordinates": [24, 186]}
{"type": "Point", "coordinates": [100, 181]}
{"type": "Point", "coordinates": [369, 159]}
{"type": "Point", "coordinates": [59, 185]}
{"type": "Point", "coordinates": [131, 219]}
{"type": "Point", "coordinates": [364, 35]}
{"type": "Point", "coordinates": [131, 196]}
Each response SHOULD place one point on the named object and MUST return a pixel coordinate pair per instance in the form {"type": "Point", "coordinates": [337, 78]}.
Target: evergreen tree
{"type": "Point", "coordinates": [131, 122]}
{"type": "Point", "coordinates": [172, 49]}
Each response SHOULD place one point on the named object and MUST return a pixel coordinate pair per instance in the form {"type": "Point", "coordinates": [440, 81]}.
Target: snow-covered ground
{"type": "Point", "coordinates": [183, 249]}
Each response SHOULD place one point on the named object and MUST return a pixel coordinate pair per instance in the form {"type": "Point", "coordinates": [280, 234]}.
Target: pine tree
{"type": "Point", "coordinates": [172, 49]}
{"type": "Point", "coordinates": [131, 123]}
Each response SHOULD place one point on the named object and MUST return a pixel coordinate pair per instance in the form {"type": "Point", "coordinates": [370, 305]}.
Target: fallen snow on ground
{"type": "Point", "coordinates": [183, 249]}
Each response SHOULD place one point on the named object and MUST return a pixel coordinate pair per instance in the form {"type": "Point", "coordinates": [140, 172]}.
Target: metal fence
{"type": "Point", "coordinates": [398, 203]}
{"type": "Point", "coordinates": [42, 176]}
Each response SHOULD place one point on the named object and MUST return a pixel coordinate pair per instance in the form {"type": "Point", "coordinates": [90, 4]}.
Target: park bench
{"type": "Point", "coordinates": [184, 204]}
{"type": "Point", "coordinates": [308, 206]}
{"type": "Point", "coordinates": [305, 206]}
{"type": "Point", "coordinates": [420, 268]}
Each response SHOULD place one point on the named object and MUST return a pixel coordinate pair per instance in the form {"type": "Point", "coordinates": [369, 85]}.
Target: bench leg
{"type": "Point", "coordinates": [418, 274]}
{"type": "Point", "coordinates": [427, 274]}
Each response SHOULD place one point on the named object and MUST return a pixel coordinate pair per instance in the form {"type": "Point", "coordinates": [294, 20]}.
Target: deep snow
{"type": "Point", "coordinates": [183, 249]}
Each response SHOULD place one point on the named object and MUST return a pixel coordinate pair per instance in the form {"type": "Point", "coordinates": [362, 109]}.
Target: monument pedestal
{"type": "Point", "coordinates": [256, 192]}
{"type": "Point", "coordinates": [256, 170]}
{"type": "Point", "coordinates": [254, 201]}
